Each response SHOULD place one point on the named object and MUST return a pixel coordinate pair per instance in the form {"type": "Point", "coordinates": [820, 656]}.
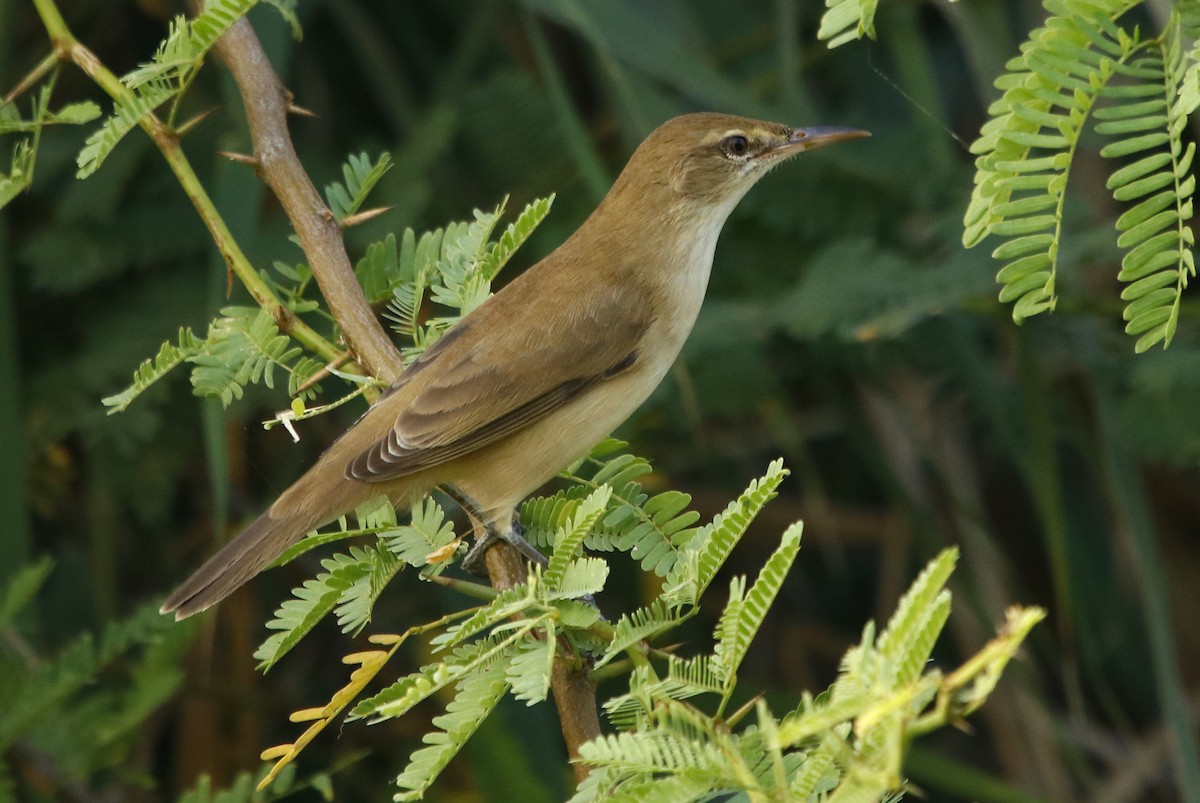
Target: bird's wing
{"type": "Point", "coordinates": [499, 371]}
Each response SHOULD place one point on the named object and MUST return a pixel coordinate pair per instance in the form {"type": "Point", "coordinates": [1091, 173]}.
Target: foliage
{"type": "Point", "coordinates": [454, 267]}
{"type": "Point", "coordinates": [361, 176]}
{"type": "Point", "coordinates": [24, 154]}
{"type": "Point", "coordinates": [846, 20]}
{"type": "Point", "coordinates": [167, 77]}
{"type": "Point", "coordinates": [509, 644]}
{"type": "Point", "coordinates": [846, 744]}
{"type": "Point", "coordinates": [81, 709]}
{"type": "Point", "coordinates": [1081, 56]}
{"type": "Point", "coordinates": [1088, 60]}
{"type": "Point", "coordinates": [242, 347]}
{"type": "Point", "coordinates": [876, 365]}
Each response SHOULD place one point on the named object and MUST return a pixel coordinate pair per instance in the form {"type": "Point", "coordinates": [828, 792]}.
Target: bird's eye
{"type": "Point", "coordinates": [735, 146]}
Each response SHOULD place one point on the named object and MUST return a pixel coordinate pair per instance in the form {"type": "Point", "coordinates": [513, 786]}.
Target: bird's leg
{"type": "Point", "coordinates": [513, 535]}
{"type": "Point", "coordinates": [488, 535]}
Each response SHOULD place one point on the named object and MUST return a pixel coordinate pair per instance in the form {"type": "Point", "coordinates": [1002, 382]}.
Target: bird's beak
{"type": "Point", "coordinates": [807, 139]}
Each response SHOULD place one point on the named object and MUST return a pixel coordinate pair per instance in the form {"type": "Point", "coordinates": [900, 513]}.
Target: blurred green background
{"type": "Point", "coordinates": [845, 330]}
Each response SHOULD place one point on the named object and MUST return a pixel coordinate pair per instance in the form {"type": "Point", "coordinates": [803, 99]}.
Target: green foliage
{"type": "Point", "coordinates": [71, 114]}
{"type": "Point", "coordinates": [313, 600]}
{"type": "Point", "coordinates": [847, 20]}
{"type": "Point", "coordinates": [478, 693]}
{"type": "Point", "coordinates": [1155, 233]}
{"type": "Point", "coordinates": [454, 267]}
{"type": "Point", "coordinates": [744, 612]}
{"type": "Point", "coordinates": [511, 643]}
{"type": "Point", "coordinates": [152, 370]}
{"type": "Point", "coordinates": [514, 236]}
{"type": "Point", "coordinates": [126, 116]}
{"type": "Point", "coordinates": [20, 172]}
{"type": "Point", "coordinates": [167, 77]}
{"type": "Point", "coordinates": [427, 534]}
{"type": "Point", "coordinates": [24, 154]}
{"type": "Point", "coordinates": [82, 708]}
{"type": "Point", "coordinates": [21, 589]}
{"type": "Point", "coordinates": [360, 177]}
{"type": "Point", "coordinates": [653, 529]}
{"type": "Point", "coordinates": [1081, 56]}
{"type": "Point", "coordinates": [709, 548]}
{"type": "Point", "coordinates": [358, 601]}
{"type": "Point", "coordinates": [528, 674]}
{"type": "Point", "coordinates": [845, 745]}
{"type": "Point", "coordinates": [243, 347]}
{"type": "Point", "coordinates": [571, 535]}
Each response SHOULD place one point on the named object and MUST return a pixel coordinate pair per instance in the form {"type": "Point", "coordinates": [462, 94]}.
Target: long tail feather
{"type": "Point", "coordinates": [234, 564]}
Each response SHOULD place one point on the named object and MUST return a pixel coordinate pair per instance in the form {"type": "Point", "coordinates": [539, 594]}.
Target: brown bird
{"type": "Point", "coordinates": [543, 370]}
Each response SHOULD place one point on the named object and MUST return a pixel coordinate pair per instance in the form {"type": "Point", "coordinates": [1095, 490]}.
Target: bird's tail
{"type": "Point", "coordinates": [236, 563]}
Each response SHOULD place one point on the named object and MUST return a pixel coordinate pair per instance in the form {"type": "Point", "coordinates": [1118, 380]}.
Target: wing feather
{"type": "Point", "coordinates": [479, 388]}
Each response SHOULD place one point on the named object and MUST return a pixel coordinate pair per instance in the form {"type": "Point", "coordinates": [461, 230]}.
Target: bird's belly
{"type": "Point", "coordinates": [498, 477]}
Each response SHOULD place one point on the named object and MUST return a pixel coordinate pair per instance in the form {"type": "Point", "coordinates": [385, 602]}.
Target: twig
{"type": "Point", "coordinates": [35, 75]}
{"type": "Point", "coordinates": [267, 105]}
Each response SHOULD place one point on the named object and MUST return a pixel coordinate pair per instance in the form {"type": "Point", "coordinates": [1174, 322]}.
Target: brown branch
{"type": "Point", "coordinates": [267, 106]}
{"type": "Point", "coordinates": [573, 688]}
{"type": "Point", "coordinates": [266, 103]}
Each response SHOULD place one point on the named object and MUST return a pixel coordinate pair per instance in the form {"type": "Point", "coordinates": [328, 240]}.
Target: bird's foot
{"type": "Point", "coordinates": [514, 535]}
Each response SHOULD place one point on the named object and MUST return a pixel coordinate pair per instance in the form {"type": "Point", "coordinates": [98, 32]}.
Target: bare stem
{"type": "Point", "coordinates": [266, 105]}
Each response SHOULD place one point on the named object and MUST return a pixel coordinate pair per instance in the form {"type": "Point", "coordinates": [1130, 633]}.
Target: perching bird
{"type": "Point", "coordinates": [547, 367]}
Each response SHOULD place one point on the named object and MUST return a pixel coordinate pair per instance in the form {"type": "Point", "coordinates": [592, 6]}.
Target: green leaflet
{"type": "Point", "coordinates": [1083, 63]}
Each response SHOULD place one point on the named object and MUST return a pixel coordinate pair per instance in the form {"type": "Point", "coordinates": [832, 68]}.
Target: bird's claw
{"type": "Point", "coordinates": [514, 536]}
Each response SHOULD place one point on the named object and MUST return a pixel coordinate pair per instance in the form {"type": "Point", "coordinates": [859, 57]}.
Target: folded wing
{"type": "Point", "coordinates": [471, 390]}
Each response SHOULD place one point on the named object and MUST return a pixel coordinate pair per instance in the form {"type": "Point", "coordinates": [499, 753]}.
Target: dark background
{"type": "Point", "coordinates": [845, 329]}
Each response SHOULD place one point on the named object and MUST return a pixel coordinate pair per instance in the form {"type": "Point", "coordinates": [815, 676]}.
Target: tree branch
{"type": "Point", "coordinates": [573, 688]}
{"type": "Point", "coordinates": [266, 105]}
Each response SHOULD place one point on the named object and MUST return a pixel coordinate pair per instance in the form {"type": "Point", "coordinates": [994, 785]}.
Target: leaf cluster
{"type": "Point", "coordinates": [510, 644]}
{"type": "Point", "coordinates": [846, 744]}
{"type": "Point", "coordinates": [243, 347]}
{"type": "Point", "coordinates": [81, 707]}
{"type": "Point", "coordinates": [168, 75]}
{"type": "Point", "coordinates": [1085, 63]}
{"type": "Point", "coordinates": [19, 175]}
{"type": "Point", "coordinates": [452, 267]}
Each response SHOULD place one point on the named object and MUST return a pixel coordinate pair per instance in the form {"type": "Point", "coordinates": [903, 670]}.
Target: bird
{"type": "Point", "coordinates": [548, 366]}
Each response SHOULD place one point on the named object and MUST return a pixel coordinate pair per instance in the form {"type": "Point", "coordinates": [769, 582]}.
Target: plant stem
{"type": "Point", "coordinates": [266, 105]}
{"type": "Point", "coordinates": [68, 48]}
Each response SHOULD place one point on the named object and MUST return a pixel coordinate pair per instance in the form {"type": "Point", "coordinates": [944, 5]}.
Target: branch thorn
{"type": "Point", "coordinates": [195, 121]}
{"type": "Point", "coordinates": [364, 216]}
{"type": "Point", "coordinates": [240, 158]}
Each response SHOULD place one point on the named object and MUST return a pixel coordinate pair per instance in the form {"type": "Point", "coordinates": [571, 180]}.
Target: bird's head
{"type": "Point", "coordinates": [713, 159]}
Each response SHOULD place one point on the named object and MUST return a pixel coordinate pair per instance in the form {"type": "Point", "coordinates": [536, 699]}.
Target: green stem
{"type": "Point", "coordinates": [70, 49]}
